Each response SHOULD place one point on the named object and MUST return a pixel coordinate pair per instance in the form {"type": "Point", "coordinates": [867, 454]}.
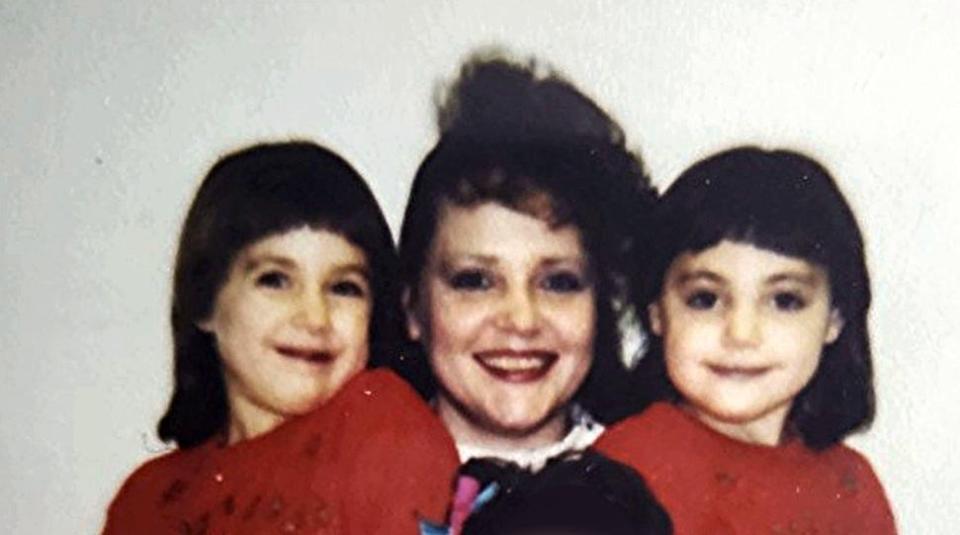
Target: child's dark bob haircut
{"type": "Point", "coordinates": [787, 203]}
{"type": "Point", "coordinates": [534, 144]}
{"type": "Point", "coordinates": [248, 195]}
{"type": "Point", "coordinates": [580, 493]}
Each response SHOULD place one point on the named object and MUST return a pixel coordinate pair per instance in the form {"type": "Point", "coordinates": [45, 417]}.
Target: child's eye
{"type": "Point", "coordinates": [273, 279]}
{"type": "Point", "coordinates": [470, 280]}
{"type": "Point", "coordinates": [789, 301]}
{"type": "Point", "coordinates": [702, 300]}
{"type": "Point", "coordinates": [563, 282]}
{"type": "Point", "coordinates": [348, 288]}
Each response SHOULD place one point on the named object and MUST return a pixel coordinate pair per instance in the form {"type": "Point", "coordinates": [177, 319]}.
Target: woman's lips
{"type": "Point", "coordinates": [515, 366]}
{"type": "Point", "coordinates": [738, 372]}
{"type": "Point", "coordinates": [311, 355]}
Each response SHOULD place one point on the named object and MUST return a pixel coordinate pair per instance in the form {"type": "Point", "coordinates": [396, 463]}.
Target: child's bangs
{"type": "Point", "coordinates": [774, 201]}
{"type": "Point", "coordinates": [284, 198]}
{"type": "Point", "coordinates": [779, 233]}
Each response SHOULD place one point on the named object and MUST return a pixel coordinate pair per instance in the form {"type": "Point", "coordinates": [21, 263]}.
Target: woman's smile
{"type": "Point", "coordinates": [507, 312]}
{"type": "Point", "coordinates": [517, 366]}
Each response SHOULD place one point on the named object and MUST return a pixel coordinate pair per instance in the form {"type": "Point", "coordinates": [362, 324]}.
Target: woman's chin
{"type": "Point", "coordinates": [520, 423]}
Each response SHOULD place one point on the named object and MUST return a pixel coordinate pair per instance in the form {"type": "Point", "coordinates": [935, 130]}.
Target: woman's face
{"type": "Point", "coordinates": [506, 313]}
{"type": "Point", "coordinates": [291, 323]}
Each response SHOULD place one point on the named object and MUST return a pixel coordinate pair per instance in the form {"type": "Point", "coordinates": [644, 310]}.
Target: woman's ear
{"type": "Point", "coordinates": [655, 314]}
{"type": "Point", "coordinates": [834, 326]}
{"type": "Point", "coordinates": [414, 329]}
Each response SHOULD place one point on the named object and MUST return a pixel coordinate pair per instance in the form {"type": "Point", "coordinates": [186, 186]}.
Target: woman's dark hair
{"type": "Point", "coordinates": [787, 203]}
{"type": "Point", "coordinates": [579, 493]}
{"type": "Point", "coordinates": [248, 195]}
{"type": "Point", "coordinates": [533, 143]}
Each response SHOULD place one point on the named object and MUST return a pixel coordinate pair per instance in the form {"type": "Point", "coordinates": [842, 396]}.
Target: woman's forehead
{"type": "Point", "coordinates": [492, 229]}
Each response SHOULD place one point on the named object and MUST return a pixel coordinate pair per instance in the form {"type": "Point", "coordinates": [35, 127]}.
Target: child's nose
{"type": "Point", "coordinates": [744, 327]}
{"type": "Point", "coordinates": [312, 312]}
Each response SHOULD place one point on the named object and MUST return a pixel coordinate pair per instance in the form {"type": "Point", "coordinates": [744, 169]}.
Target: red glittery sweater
{"type": "Point", "coordinates": [712, 484]}
{"type": "Point", "coordinates": [372, 460]}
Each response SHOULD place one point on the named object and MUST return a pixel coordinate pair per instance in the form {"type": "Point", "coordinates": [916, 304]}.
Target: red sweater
{"type": "Point", "coordinates": [371, 460]}
{"type": "Point", "coordinates": [712, 484]}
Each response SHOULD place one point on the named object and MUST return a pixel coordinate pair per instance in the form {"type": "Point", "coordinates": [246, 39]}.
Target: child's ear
{"type": "Point", "coordinates": [205, 325]}
{"type": "Point", "coordinates": [414, 329]}
{"type": "Point", "coordinates": [834, 327]}
{"type": "Point", "coordinates": [655, 314]}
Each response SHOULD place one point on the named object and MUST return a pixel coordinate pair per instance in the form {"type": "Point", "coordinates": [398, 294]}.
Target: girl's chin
{"type": "Point", "coordinates": [302, 402]}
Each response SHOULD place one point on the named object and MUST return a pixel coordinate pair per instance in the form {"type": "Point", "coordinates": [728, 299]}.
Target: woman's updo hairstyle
{"type": "Point", "coordinates": [520, 135]}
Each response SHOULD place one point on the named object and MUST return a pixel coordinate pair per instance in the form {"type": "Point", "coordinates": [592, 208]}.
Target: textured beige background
{"type": "Point", "coordinates": [110, 112]}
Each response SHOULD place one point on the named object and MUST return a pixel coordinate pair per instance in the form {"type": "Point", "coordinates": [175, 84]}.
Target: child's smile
{"type": "Point", "coordinates": [291, 322]}
{"type": "Point", "coordinates": [743, 329]}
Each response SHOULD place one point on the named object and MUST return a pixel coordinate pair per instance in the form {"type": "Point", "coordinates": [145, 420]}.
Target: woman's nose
{"type": "Point", "coordinates": [744, 326]}
{"type": "Point", "coordinates": [520, 312]}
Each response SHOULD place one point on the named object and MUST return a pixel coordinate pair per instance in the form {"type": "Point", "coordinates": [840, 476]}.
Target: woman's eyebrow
{"type": "Point", "coordinates": [447, 260]}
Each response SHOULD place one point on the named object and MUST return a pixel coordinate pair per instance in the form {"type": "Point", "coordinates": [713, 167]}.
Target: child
{"type": "Point", "coordinates": [757, 298]}
{"type": "Point", "coordinates": [578, 493]}
{"type": "Point", "coordinates": [282, 289]}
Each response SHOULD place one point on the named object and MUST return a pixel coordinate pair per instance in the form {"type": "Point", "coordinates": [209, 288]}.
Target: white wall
{"type": "Point", "coordinates": [111, 112]}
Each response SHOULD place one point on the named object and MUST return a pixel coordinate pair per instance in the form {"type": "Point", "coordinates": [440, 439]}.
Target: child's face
{"type": "Point", "coordinates": [743, 329]}
{"type": "Point", "coordinates": [291, 322]}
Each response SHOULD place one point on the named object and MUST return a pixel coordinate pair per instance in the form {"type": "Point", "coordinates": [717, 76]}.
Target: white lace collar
{"type": "Point", "coordinates": [583, 433]}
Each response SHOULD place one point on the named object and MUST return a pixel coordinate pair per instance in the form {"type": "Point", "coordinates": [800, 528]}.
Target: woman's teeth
{"type": "Point", "coordinates": [517, 366]}
{"type": "Point", "coordinates": [515, 363]}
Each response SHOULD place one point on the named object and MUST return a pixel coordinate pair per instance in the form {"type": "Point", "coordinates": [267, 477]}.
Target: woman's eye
{"type": "Point", "coordinates": [470, 280]}
{"type": "Point", "coordinates": [789, 301]}
{"type": "Point", "coordinates": [702, 300]}
{"type": "Point", "coordinates": [349, 289]}
{"type": "Point", "coordinates": [563, 282]}
{"type": "Point", "coordinates": [273, 279]}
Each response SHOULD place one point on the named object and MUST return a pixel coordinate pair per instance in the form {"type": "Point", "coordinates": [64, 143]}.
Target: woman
{"type": "Point", "coordinates": [282, 292]}
{"type": "Point", "coordinates": [518, 223]}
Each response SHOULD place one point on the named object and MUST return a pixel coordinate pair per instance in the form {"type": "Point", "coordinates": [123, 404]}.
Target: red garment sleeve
{"type": "Point", "coordinates": [404, 461]}
{"type": "Point", "coordinates": [374, 459]}
{"type": "Point", "coordinates": [135, 509]}
{"type": "Point", "coordinates": [126, 513]}
{"type": "Point", "coordinates": [871, 506]}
